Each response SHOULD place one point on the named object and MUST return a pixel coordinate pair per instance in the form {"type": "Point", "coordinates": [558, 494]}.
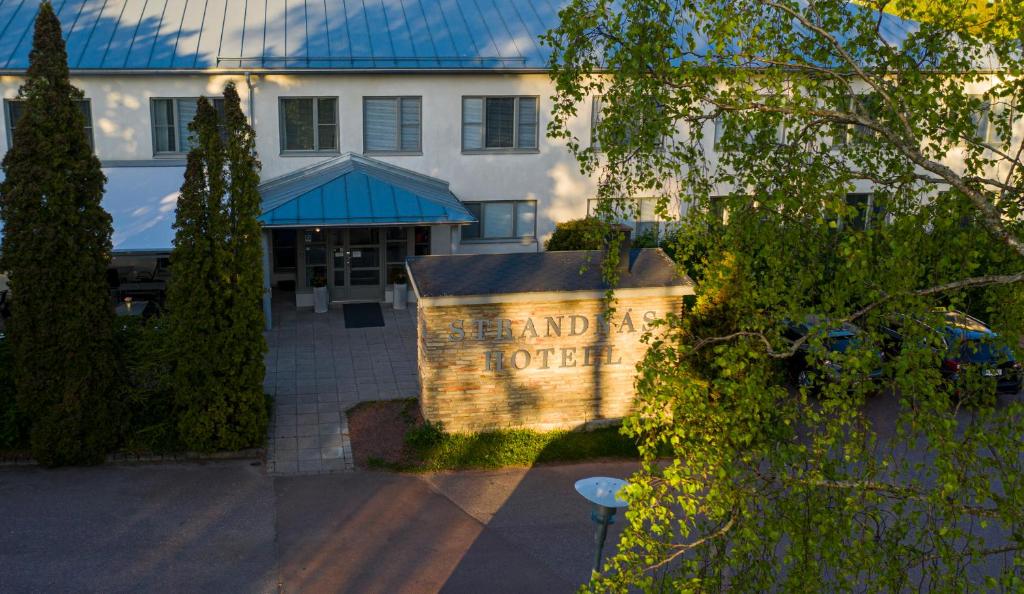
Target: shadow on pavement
{"type": "Point", "coordinates": [520, 530]}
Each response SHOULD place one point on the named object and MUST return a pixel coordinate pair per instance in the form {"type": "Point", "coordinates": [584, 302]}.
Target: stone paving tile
{"type": "Point", "coordinates": [317, 369]}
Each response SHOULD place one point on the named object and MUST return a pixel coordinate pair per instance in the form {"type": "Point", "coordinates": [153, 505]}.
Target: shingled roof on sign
{"type": "Point", "coordinates": [495, 274]}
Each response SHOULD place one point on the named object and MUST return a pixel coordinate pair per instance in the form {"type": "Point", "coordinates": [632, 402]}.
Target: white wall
{"type": "Point", "coordinates": [122, 131]}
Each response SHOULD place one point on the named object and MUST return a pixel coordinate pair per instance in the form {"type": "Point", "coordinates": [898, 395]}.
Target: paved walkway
{"type": "Point", "coordinates": [317, 369]}
{"type": "Point", "coordinates": [228, 527]}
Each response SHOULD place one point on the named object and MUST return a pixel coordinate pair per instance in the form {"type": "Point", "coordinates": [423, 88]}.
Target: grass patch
{"type": "Point", "coordinates": [426, 447]}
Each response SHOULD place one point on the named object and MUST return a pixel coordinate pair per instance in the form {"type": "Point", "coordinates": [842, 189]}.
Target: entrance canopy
{"type": "Point", "coordinates": [353, 190]}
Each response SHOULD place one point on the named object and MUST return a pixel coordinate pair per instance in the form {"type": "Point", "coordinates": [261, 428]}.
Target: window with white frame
{"type": "Point", "coordinates": [867, 104]}
{"type": "Point", "coordinates": [15, 108]}
{"type": "Point", "coordinates": [502, 219]}
{"type": "Point", "coordinates": [392, 125]}
{"type": "Point", "coordinates": [499, 123]}
{"type": "Point", "coordinates": [171, 117]}
{"type": "Point", "coordinates": [985, 130]}
{"type": "Point", "coordinates": [596, 115]}
{"type": "Point", "coordinates": [309, 124]}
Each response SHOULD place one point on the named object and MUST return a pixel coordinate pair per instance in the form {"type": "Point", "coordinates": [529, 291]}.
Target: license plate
{"type": "Point", "coordinates": [992, 372]}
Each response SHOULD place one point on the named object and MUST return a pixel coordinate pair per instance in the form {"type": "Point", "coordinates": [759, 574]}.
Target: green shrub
{"type": "Point", "coordinates": [13, 423]}
{"type": "Point", "coordinates": [426, 435]}
{"type": "Point", "coordinates": [579, 234]}
{"type": "Point", "coordinates": [149, 418]}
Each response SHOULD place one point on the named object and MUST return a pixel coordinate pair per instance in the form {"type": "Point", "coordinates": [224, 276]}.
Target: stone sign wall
{"type": "Point", "coordinates": [537, 364]}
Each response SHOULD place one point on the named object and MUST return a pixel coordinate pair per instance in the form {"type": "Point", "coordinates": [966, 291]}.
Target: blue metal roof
{"type": "Point", "coordinates": [356, 190]}
{"type": "Point", "coordinates": [302, 34]}
{"type": "Point", "coordinates": [267, 34]}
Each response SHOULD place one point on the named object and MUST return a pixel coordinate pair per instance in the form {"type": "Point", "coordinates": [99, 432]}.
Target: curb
{"type": "Point", "coordinates": [24, 459]}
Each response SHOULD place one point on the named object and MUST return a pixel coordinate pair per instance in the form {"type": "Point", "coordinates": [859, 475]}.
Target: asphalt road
{"type": "Point", "coordinates": [228, 527]}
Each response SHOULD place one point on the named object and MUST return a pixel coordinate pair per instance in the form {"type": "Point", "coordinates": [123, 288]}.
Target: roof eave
{"type": "Point", "coordinates": [280, 71]}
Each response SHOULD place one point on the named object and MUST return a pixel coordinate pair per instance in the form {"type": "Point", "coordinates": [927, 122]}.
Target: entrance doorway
{"type": "Point", "coordinates": [356, 264]}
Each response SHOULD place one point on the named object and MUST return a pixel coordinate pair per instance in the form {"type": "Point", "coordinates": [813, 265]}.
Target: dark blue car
{"type": "Point", "coordinates": [839, 339]}
{"type": "Point", "coordinates": [965, 343]}
{"type": "Point", "coordinates": [970, 343]}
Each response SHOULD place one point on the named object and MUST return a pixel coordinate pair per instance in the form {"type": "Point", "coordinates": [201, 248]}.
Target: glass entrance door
{"type": "Point", "coordinates": [356, 264]}
{"type": "Point", "coordinates": [364, 264]}
{"type": "Point", "coordinates": [339, 280]}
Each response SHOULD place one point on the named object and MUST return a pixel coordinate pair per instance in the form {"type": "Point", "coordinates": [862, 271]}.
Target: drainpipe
{"type": "Point", "coordinates": [252, 112]}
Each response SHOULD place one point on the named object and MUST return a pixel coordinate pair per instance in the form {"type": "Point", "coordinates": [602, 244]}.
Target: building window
{"type": "Point", "coordinates": [16, 108]}
{"type": "Point", "coordinates": [640, 214]}
{"type": "Point", "coordinates": [596, 114]}
{"type": "Point", "coordinates": [717, 208]}
{"type": "Point", "coordinates": [309, 124]}
{"type": "Point", "coordinates": [397, 239]}
{"type": "Point", "coordinates": [870, 211]}
{"type": "Point", "coordinates": [392, 125]}
{"type": "Point", "coordinates": [285, 248]}
{"type": "Point", "coordinates": [499, 123]}
{"type": "Point", "coordinates": [985, 131]}
{"type": "Point", "coordinates": [171, 118]}
{"type": "Point", "coordinates": [868, 104]}
{"type": "Point", "coordinates": [421, 241]}
{"type": "Point", "coordinates": [725, 123]}
{"type": "Point", "coordinates": [505, 219]}
{"type": "Point", "coordinates": [633, 129]}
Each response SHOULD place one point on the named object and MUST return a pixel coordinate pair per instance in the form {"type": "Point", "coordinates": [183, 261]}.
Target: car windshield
{"type": "Point", "coordinates": [959, 320]}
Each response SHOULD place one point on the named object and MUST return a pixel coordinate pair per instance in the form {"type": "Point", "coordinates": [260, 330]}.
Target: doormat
{"type": "Point", "coordinates": [363, 315]}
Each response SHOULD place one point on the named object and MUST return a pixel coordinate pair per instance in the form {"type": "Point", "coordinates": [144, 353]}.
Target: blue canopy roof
{"type": "Point", "coordinates": [348, 190]}
{"type": "Point", "coordinates": [356, 190]}
{"type": "Point", "coordinates": [299, 34]}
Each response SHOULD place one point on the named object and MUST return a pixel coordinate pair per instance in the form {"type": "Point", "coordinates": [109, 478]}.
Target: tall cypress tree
{"type": "Point", "coordinates": [216, 283]}
{"type": "Point", "coordinates": [245, 344]}
{"type": "Point", "coordinates": [56, 249]}
{"type": "Point", "coordinates": [195, 297]}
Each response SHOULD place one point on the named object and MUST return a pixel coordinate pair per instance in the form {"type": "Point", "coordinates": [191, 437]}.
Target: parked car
{"type": "Point", "coordinates": [970, 343]}
{"type": "Point", "coordinates": [839, 339]}
{"type": "Point", "coordinates": [963, 342]}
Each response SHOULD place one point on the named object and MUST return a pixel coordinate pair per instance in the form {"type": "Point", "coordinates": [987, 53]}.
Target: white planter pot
{"type": "Point", "coordinates": [400, 295]}
{"type": "Point", "coordinates": [320, 299]}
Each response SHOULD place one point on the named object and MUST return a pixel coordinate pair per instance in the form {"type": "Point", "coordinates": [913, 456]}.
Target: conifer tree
{"type": "Point", "coordinates": [56, 250]}
{"type": "Point", "coordinates": [216, 283]}
{"type": "Point", "coordinates": [245, 345]}
{"type": "Point", "coordinates": [195, 296]}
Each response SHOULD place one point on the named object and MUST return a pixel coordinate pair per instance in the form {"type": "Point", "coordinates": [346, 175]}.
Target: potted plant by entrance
{"type": "Point", "coordinates": [320, 294]}
{"type": "Point", "coordinates": [400, 291]}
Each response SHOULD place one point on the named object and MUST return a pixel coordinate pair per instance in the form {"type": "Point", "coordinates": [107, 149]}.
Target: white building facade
{"type": "Point", "coordinates": [385, 129]}
{"type": "Point", "coordinates": [447, 101]}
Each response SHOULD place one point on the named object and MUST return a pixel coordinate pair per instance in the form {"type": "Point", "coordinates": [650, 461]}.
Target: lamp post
{"type": "Point", "coordinates": [603, 492]}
